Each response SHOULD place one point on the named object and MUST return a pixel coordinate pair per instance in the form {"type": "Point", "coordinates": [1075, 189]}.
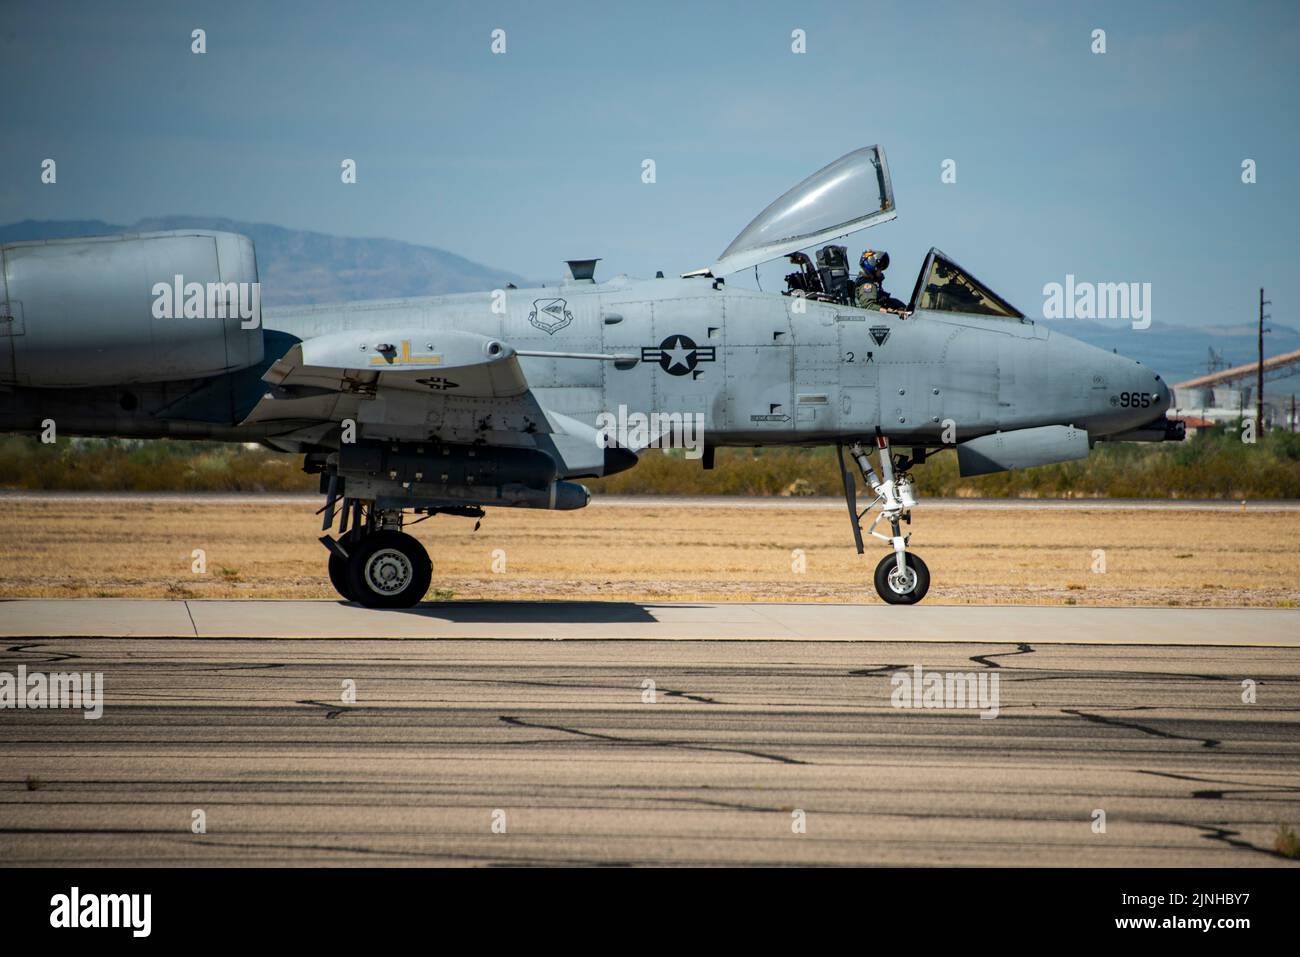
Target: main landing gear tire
{"type": "Point", "coordinates": [338, 567]}
{"type": "Point", "coordinates": [387, 569]}
{"type": "Point", "coordinates": [902, 589]}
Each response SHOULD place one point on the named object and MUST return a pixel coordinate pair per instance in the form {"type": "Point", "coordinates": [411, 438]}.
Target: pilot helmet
{"type": "Point", "coordinates": [873, 261]}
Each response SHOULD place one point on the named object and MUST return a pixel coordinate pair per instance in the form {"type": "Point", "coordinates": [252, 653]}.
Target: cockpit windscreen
{"type": "Point", "coordinates": [946, 287]}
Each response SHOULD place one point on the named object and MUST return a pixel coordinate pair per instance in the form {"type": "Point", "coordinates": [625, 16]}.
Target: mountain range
{"type": "Point", "coordinates": [300, 268]}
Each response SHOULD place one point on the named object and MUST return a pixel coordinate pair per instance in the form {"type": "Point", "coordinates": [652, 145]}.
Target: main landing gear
{"type": "Point", "coordinates": [373, 562]}
{"type": "Point", "coordinates": [901, 578]}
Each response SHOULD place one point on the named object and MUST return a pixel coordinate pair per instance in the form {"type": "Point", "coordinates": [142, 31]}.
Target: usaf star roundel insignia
{"type": "Point", "coordinates": [550, 315]}
{"type": "Point", "coordinates": [679, 355]}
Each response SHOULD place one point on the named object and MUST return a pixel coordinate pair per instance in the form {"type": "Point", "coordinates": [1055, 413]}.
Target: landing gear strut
{"type": "Point", "coordinates": [901, 578]}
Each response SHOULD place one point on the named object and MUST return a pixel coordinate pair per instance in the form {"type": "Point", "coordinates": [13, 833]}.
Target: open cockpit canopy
{"type": "Point", "coordinates": [850, 194]}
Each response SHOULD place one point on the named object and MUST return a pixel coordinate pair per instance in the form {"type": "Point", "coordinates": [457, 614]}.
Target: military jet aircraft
{"type": "Point", "coordinates": [411, 408]}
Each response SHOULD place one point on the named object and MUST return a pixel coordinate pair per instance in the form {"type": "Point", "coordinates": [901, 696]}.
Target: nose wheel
{"type": "Point", "coordinates": [905, 586]}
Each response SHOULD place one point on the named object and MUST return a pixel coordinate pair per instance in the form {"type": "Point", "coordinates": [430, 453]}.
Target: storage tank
{"type": "Point", "coordinates": [1228, 397]}
{"type": "Point", "coordinates": [1195, 397]}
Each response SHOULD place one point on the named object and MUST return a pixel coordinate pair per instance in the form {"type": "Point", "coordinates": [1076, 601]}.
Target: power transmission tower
{"type": "Point", "coordinates": [1215, 362]}
{"type": "Point", "coordinates": [1259, 386]}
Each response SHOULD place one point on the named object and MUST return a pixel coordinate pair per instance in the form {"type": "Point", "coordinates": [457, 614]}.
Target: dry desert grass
{"type": "Point", "coordinates": [143, 549]}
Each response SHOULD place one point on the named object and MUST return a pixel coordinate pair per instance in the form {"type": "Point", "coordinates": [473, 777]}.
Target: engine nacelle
{"type": "Point", "coordinates": [120, 310]}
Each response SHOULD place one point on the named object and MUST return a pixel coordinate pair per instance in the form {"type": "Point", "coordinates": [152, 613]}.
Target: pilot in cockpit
{"type": "Point", "coordinates": [870, 290]}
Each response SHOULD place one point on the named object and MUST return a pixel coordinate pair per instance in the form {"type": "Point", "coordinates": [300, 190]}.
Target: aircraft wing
{"type": "Point", "coordinates": [414, 360]}
{"type": "Point", "coordinates": [378, 375]}
{"type": "Point", "coordinates": [411, 384]}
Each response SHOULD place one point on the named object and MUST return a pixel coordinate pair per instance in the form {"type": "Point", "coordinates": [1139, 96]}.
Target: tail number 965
{"type": "Point", "coordinates": [1132, 400]}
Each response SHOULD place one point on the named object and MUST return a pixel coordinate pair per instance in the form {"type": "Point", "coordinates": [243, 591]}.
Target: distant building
{"type": "Point", "coordinates": [1228, 395]}
{"type": "Point", "coordinates": [1194, 423]}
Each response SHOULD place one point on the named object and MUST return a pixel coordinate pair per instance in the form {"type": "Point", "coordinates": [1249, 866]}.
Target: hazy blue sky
{"type": "Point", "coordinates": [1117, 167]}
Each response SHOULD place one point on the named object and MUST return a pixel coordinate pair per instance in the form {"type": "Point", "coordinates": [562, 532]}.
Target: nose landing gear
{"type": "Point", "coordinates": [901, 578]}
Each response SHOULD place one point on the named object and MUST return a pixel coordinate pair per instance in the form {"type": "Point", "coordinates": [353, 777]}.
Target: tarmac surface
{"type": "Point", "coordinates": [748, 740]}
{"type": "Point", "coordinates": [611, 620]}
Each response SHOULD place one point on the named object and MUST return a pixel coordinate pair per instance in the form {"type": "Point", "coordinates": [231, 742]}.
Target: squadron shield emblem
{"type": "Point", "coordinates": [550, 315]}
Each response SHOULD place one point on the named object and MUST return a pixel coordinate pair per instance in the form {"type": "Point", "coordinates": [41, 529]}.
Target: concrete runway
{"type": "Point", "coordinates": [1142, 719]}
{"type": "Point", "coordinates": [616, 620]}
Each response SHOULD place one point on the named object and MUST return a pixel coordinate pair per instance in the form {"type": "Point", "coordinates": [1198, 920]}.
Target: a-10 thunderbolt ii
{"type": "Point", "coordinates": [453, 404]}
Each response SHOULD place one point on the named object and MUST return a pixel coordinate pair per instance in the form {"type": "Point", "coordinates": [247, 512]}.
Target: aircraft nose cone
{"type": "Point", "coordinates": [1137, 395]}
{"type": "Point", "coordinates": [1146, 389]}
{"type": "Point", "coordinates": [1163, 397]}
